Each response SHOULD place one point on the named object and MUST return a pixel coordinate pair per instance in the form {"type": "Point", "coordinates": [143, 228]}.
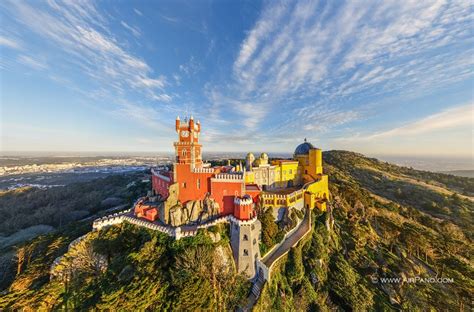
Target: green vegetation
{"type": "Point", "coordinates": [145, 270]}
{"type": "Point", "coordinates": [56, 207]}
{"type": "Point", "coordinates": [390, 222]}
{"type": "Point", "coordinates": [274, 232]}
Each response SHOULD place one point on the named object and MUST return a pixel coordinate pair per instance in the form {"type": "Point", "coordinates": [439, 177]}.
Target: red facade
{"type": "Point", "coordinates": [144, 209]}
{"type": "Point", "coordinates": [245, 212]}
{"type": "Point", "coordinates": [160, 182]}
{"type": "Point", "coordinates": [224, 193]}
{"type": "Point", "coordinates": [192, 185]}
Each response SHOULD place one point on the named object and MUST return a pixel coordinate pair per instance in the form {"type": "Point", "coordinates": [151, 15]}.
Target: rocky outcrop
{"type": "Point", "coordinates": [194, 212]}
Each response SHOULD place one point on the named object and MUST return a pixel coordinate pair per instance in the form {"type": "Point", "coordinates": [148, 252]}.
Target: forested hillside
{"type": "Point", "coordinates": [389, 222]}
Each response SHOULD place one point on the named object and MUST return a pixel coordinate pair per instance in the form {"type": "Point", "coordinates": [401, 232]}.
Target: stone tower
{"type": "Point", "coordinates": [245, 235]}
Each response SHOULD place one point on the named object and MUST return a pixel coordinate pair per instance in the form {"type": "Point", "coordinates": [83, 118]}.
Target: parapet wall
{"type": "Point", "coordinates": [203, 170]}
{"type": "Point", "coordinates": [175, 232]}
{"type": "Point", "coordinates": [228, 177]}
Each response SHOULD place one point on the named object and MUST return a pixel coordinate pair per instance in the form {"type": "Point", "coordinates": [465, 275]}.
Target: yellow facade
{"type": "Point", "coordinates": [312, 163]}
{"type": "Point", "coordinates": [287, 173]}
{"type": "Point", "coordinates": [274, 200]}
{"type": "Point", "coordinates": [320, 187]}
{"type": "Point", "coordinates": [306, 170]}
{"type": "Point", "coordinates": [249, 177]}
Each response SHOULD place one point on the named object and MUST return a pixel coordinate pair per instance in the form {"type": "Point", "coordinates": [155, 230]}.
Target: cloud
{"type": "Point", "coordinates": [137, 12]}
{"type": "Point", "coordinates": [151, 83]}
{"type": "Point", "coordinates": [162, 97]}
{"type": "Point", "coordinates": [31, 62]}
{"type": "Point", "coordinates": [9, 43]}
{"type": "Point", "coordinates": [79, 30]}
{"type": "Point", "coordinates": [133, 30]}
{"type": "Point", "coordinates": [169, 18]}
{"type": "Point", "coordinates": [191, 67]}
{"type": "Point", "coordinates": [143, 115]}
{"type": "Point", "coordinates": [456, 117]}
{"type": "Point", "coordinates": [330, 62]}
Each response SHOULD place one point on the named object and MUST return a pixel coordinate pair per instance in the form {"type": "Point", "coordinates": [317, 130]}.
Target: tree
{"type": "Point", "coordinates": [269, 228]}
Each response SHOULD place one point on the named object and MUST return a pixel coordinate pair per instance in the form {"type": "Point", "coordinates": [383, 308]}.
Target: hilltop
{"type": "Point", "coordinates": [389, 222]}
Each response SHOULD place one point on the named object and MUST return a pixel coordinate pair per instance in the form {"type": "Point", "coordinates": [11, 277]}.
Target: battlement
{"type": "Point", "coordinates": [238, 177]}
{"type": "Point", "coordinates": [242, 222]}
{"type": "Point", "coordinates": [241, 201]}
{"type": "Point", "coordinates": [186, 143]}
{"type": "Point", "coordinates": [203, 170]}
{"type": "Point", "coordinates": [159, 175]}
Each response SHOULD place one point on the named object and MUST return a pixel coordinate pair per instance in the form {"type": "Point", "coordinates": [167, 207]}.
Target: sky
{"type": "Point", "coordinates": [376, 77]}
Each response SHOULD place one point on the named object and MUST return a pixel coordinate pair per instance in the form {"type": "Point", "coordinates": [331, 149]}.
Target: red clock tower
{"type": "Point", "coordinates": [188, 169]}
{"type": "Point", "coordinates": [188, 149]}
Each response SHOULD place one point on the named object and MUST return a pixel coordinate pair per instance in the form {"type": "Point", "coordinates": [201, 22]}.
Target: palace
{"type": "Point", "coordinates": [193, 192]}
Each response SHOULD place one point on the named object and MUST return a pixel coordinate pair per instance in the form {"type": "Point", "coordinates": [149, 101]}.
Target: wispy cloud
{"type": "Point", "coordinates": [133, 30]}
{"type": "Point", "coordinates": [169, 18]}
{"type": "Point", "coordinates": [138, 12]}
{"type": "Point", "coordinates": [191, 67]}
{"type": "Point", "coordinates": [315, 60]}
{"type": "Point", "coordinates": [81, 31]}
{"type": "Point", "coordinates": [31, 62]}
{"type": "Point", "coordinates": [9, 43]}
{"type": "Point", "coordinates": [457, 117]}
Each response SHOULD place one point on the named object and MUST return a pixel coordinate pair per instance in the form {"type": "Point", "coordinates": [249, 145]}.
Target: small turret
{"type": "Point", "coordinates": [245, 235]}
{"type": "Point", "coordinates": [249, 159]}
{"type": "Point", "coordinates": [177, 123]}
{"type": "Point", "coordinates": [243, 208]}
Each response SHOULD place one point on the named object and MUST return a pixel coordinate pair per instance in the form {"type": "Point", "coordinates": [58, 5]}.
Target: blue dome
{"type": "Point", "coordinates": [303, 148]}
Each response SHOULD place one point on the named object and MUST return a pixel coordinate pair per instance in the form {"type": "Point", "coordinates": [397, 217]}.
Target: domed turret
{"type": "Point", "coordinates": [249, 159]}
{"type": "Point", "coordinates": [303, 148]}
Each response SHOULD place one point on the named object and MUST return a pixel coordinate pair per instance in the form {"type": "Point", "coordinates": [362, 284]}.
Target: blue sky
{"type": "Point", "coordinates": [377, 77]}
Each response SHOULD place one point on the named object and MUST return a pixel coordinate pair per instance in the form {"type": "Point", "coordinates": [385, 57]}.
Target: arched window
{"type": "Point", "coordinates": [184, 153]}
{"type": "Point", "coordinates": [246, 252]}
{"type": "Point", "coordinates": [246, 238]}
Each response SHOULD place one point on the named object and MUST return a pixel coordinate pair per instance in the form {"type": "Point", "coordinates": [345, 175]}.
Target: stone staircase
{"type": "Point", "coordinates": [258, 285]}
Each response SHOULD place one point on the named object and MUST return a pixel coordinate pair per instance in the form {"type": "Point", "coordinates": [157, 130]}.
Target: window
{"type": "Point", "coordinates": [198, 183]}
{"type": "Point", "coordinates": [246, 238]}
{"type": "Point", "coordinates": [306, 171]}
{"type": "Point", "coordinates": [246, 252]}
{"type": "Point", "coordinates": [253, 227]}
{"type": "Point", "coordinates": [184, 184]}
{"type": "Point", "coordinates": [184, 152]}
{"type": "Point", "coordinates": [254, 241]}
